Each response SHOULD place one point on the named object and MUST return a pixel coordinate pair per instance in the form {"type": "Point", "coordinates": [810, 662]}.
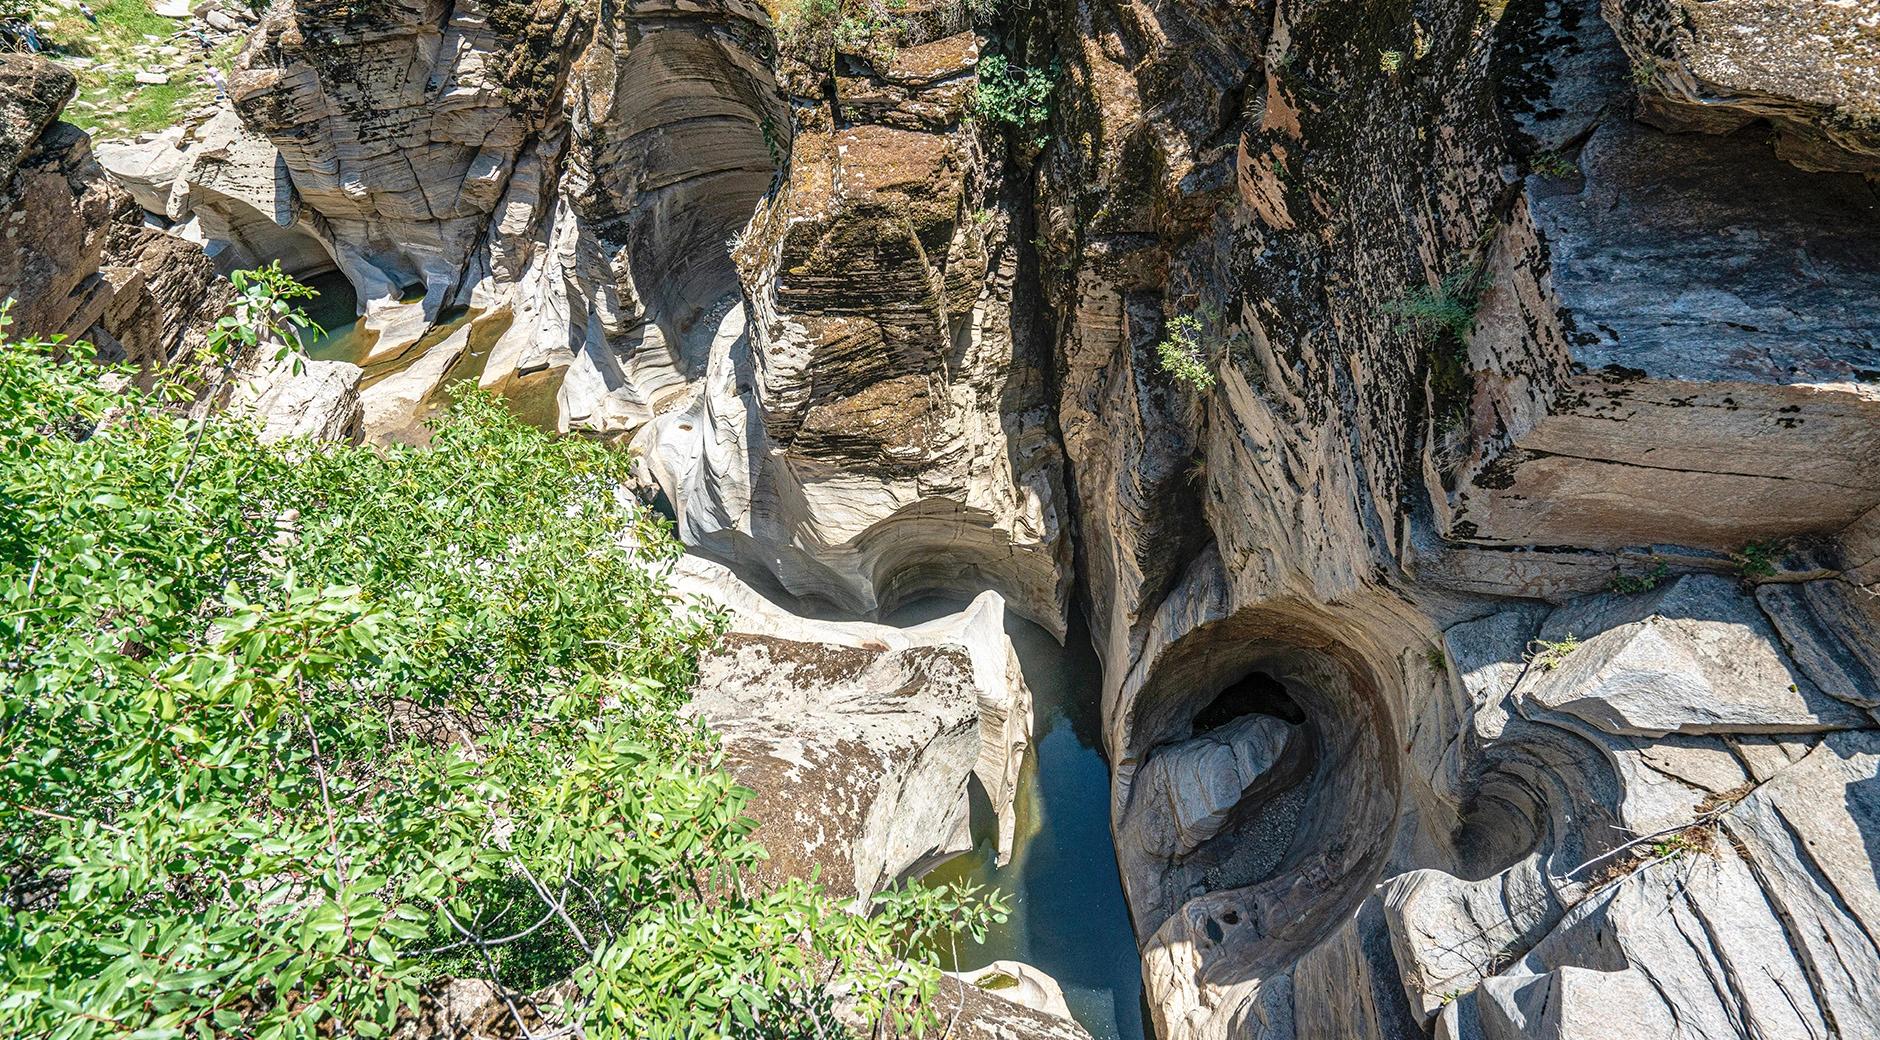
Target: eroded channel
{"type": "Point", "coordinates": [1068, 916]}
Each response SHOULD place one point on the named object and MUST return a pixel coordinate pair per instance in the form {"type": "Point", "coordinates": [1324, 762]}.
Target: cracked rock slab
{"type": "Point", "coordinates": [1695, 656]}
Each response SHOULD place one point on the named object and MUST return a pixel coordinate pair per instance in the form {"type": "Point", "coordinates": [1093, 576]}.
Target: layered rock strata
{"type": "Point", "coordinates": [1488, 640]}
{"type": "Point", "coordinates": [791, 277]}
{"type": "Point", "coordinates": [867, 746]}
{"type": "Point", "coordinates": [78, 261]}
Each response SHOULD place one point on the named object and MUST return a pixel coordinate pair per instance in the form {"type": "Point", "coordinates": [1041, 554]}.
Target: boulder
{"type": "Point", "coordinates": [1021, 984]}
{"type": "Point", "coordinates": [868, 746]}
{"type": "Point", "coordinates": [1199, 784]}
{"type": "Point", "coordinates": [1812, 72]}
{"type": "Point", "coordinates": [293, 397]}
{"type": "Point", "coordinates": [1694, 656]}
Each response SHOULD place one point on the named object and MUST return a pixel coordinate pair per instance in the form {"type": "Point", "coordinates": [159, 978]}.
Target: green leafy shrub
{"type": "Point", "coordinates": [1180, 353]}
{"type": "Point", "coordinates": [289, 733]}
{"type": "Point", "coordinates": [1758, 559]}
{"type": "Point", "coordinates": [1446, 309]}
{"type": "Point", "coordinates": [1548, 655]}
{"type": "Point", "coordinates": [1015, 97]}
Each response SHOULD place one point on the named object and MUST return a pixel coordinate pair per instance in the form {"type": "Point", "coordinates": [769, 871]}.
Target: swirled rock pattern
{"type": "Point", "coordinates": [1489, 638]}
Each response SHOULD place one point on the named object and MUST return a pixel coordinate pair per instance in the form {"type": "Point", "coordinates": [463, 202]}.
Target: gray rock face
{"type": "Point", "coordinates": [318, 400]}
{"type": "Point", "coordinates": [1495, 364]}
{"type": "Point", "coordinates": [864, 743]}
{"type": "Point", "coordinates": [1693, 657]}
{"type": "Point", "coordinates": [222, 185]}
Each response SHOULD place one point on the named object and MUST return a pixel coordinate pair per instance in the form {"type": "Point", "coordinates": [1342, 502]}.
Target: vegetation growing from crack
{"type": "Point", "coordinates": [1443, 315]}
{"type": "Point", "coordinates": [1016, 98]}
{"type": "Point", "coordinates": [292, 733]}
{"type": "Point", "coordinates": [1553, 164]}
{"type": "Point", "coordinates": [1757, 559]}
{"type": "Point", "coordinates": [1181, 355]}
{"type": "Point", "coordinates": [1635, 583]}
{"type": "Point", "coordinates": [814, 32]}
{"type": "Point", "coordinates": [1548, 655]}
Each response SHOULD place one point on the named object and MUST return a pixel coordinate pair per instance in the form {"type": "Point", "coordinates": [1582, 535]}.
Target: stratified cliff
{"type": "Point", "coordinates": [1490, 639]}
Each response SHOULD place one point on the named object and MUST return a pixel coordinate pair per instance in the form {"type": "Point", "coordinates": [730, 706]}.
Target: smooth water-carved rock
{"type": "Point", "coordinates": [220, 184]}
{"type": "Point", "coordinates": [401, 128]}
{"type": "Point", "coordinates": [1197, 785]}
{"type": "Point", "coordinates": [868, 746]}
{"type": "Point", "coordinates": [1021, 984]}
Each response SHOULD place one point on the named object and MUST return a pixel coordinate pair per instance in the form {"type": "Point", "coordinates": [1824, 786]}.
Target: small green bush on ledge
{"type": "Point", "coordinates": [1180, 353]}
{"type": "Point", "coordinates": [290, 732]}
{"type": "Point", "coordinates": [1016, 97]}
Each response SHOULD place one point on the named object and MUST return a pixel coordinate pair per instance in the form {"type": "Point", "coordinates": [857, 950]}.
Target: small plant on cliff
{"type": "Point", "coordinates": [1551, 654]}
{"type": "Point", "coordinates": [1635, 583]}
{"type": "Point", "coordinates": [1180, 353]}
{"type": "Point", "coordinates": [1015, 97]}
{"type": "Point", "coordinates": [289, 734]}
{"type": "Point", "coordinates": [1390, 63]}
{"type": "Point", "coordinates": [1446, 309]}
{"type": "Point", "coordinates": [1554, 163]}
{"type": "Point", "coordinates": [1758, 559]}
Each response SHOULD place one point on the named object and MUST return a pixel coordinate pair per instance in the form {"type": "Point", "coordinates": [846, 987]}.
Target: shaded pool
{"type": "Point", "coordinates": [1068, 915]}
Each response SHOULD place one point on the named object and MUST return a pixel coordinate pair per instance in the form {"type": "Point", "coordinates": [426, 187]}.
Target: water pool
{"type": "Point", "coordinates": [1068, 915]}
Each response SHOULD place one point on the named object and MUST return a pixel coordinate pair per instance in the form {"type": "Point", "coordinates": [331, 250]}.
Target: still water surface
{"type": "Point", "coordinates": [1068, 915]}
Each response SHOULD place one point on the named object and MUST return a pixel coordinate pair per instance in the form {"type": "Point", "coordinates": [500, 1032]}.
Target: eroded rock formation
{"type": "Point", "coordinates": [77, 260]}
{"type": "Point", "coordinates": [1489, 648]}
{"type": "Point", "coordinates": [867, 745]}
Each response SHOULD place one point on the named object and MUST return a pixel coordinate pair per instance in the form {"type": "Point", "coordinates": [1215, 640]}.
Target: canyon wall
{"type": "Point", "coordinates": [1489, 636]}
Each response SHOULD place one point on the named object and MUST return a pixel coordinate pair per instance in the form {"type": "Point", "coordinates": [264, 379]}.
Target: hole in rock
{"type": "Point", "coordinates": [1256, 693]}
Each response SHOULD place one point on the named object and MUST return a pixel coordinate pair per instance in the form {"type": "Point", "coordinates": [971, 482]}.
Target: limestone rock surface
{"type": "Point", "coordinates": [863, 742]}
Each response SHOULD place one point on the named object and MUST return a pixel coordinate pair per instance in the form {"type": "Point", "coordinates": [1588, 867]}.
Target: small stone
{"type": "Point", "coordinates": [152, 78]}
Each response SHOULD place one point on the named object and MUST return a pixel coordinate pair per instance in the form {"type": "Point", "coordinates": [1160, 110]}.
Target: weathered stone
{"type": "Point", "coordinates": [1021, 984]}
{"type": "Point", "coordinates": [1812, 71]}
{"type": "Point", "coordinates": [293, 397]}
{"type": "Point", "coordinates": [1695, 656]}
{"type": "Point", "coordinates": [74, 255]}
{"type": "Point", "coordinates": [1573, 1004]}
{"type": "Point", "coordinates": [864, 743]}
{"type": "Point", "coordinates": [227, 185]}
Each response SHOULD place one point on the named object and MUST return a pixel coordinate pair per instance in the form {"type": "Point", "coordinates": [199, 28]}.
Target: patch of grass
{"type": "Point", "coordinates": [107, 79]}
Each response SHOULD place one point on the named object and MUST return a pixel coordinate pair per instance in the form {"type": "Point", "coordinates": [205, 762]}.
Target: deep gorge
{"type": "Point", "coordinates": [1476, 639]}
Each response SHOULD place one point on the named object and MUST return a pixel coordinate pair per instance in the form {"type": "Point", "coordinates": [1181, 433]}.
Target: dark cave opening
{"type": "Point", "coordinates": [1256, 693]}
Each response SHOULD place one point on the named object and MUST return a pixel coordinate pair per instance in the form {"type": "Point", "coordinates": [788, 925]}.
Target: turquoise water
{"type": "Point", "coordinates": [1068, 915]}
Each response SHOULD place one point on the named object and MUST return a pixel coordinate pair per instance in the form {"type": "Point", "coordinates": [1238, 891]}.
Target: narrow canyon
{"type": "Point", "coordinates": [1361, 517]}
